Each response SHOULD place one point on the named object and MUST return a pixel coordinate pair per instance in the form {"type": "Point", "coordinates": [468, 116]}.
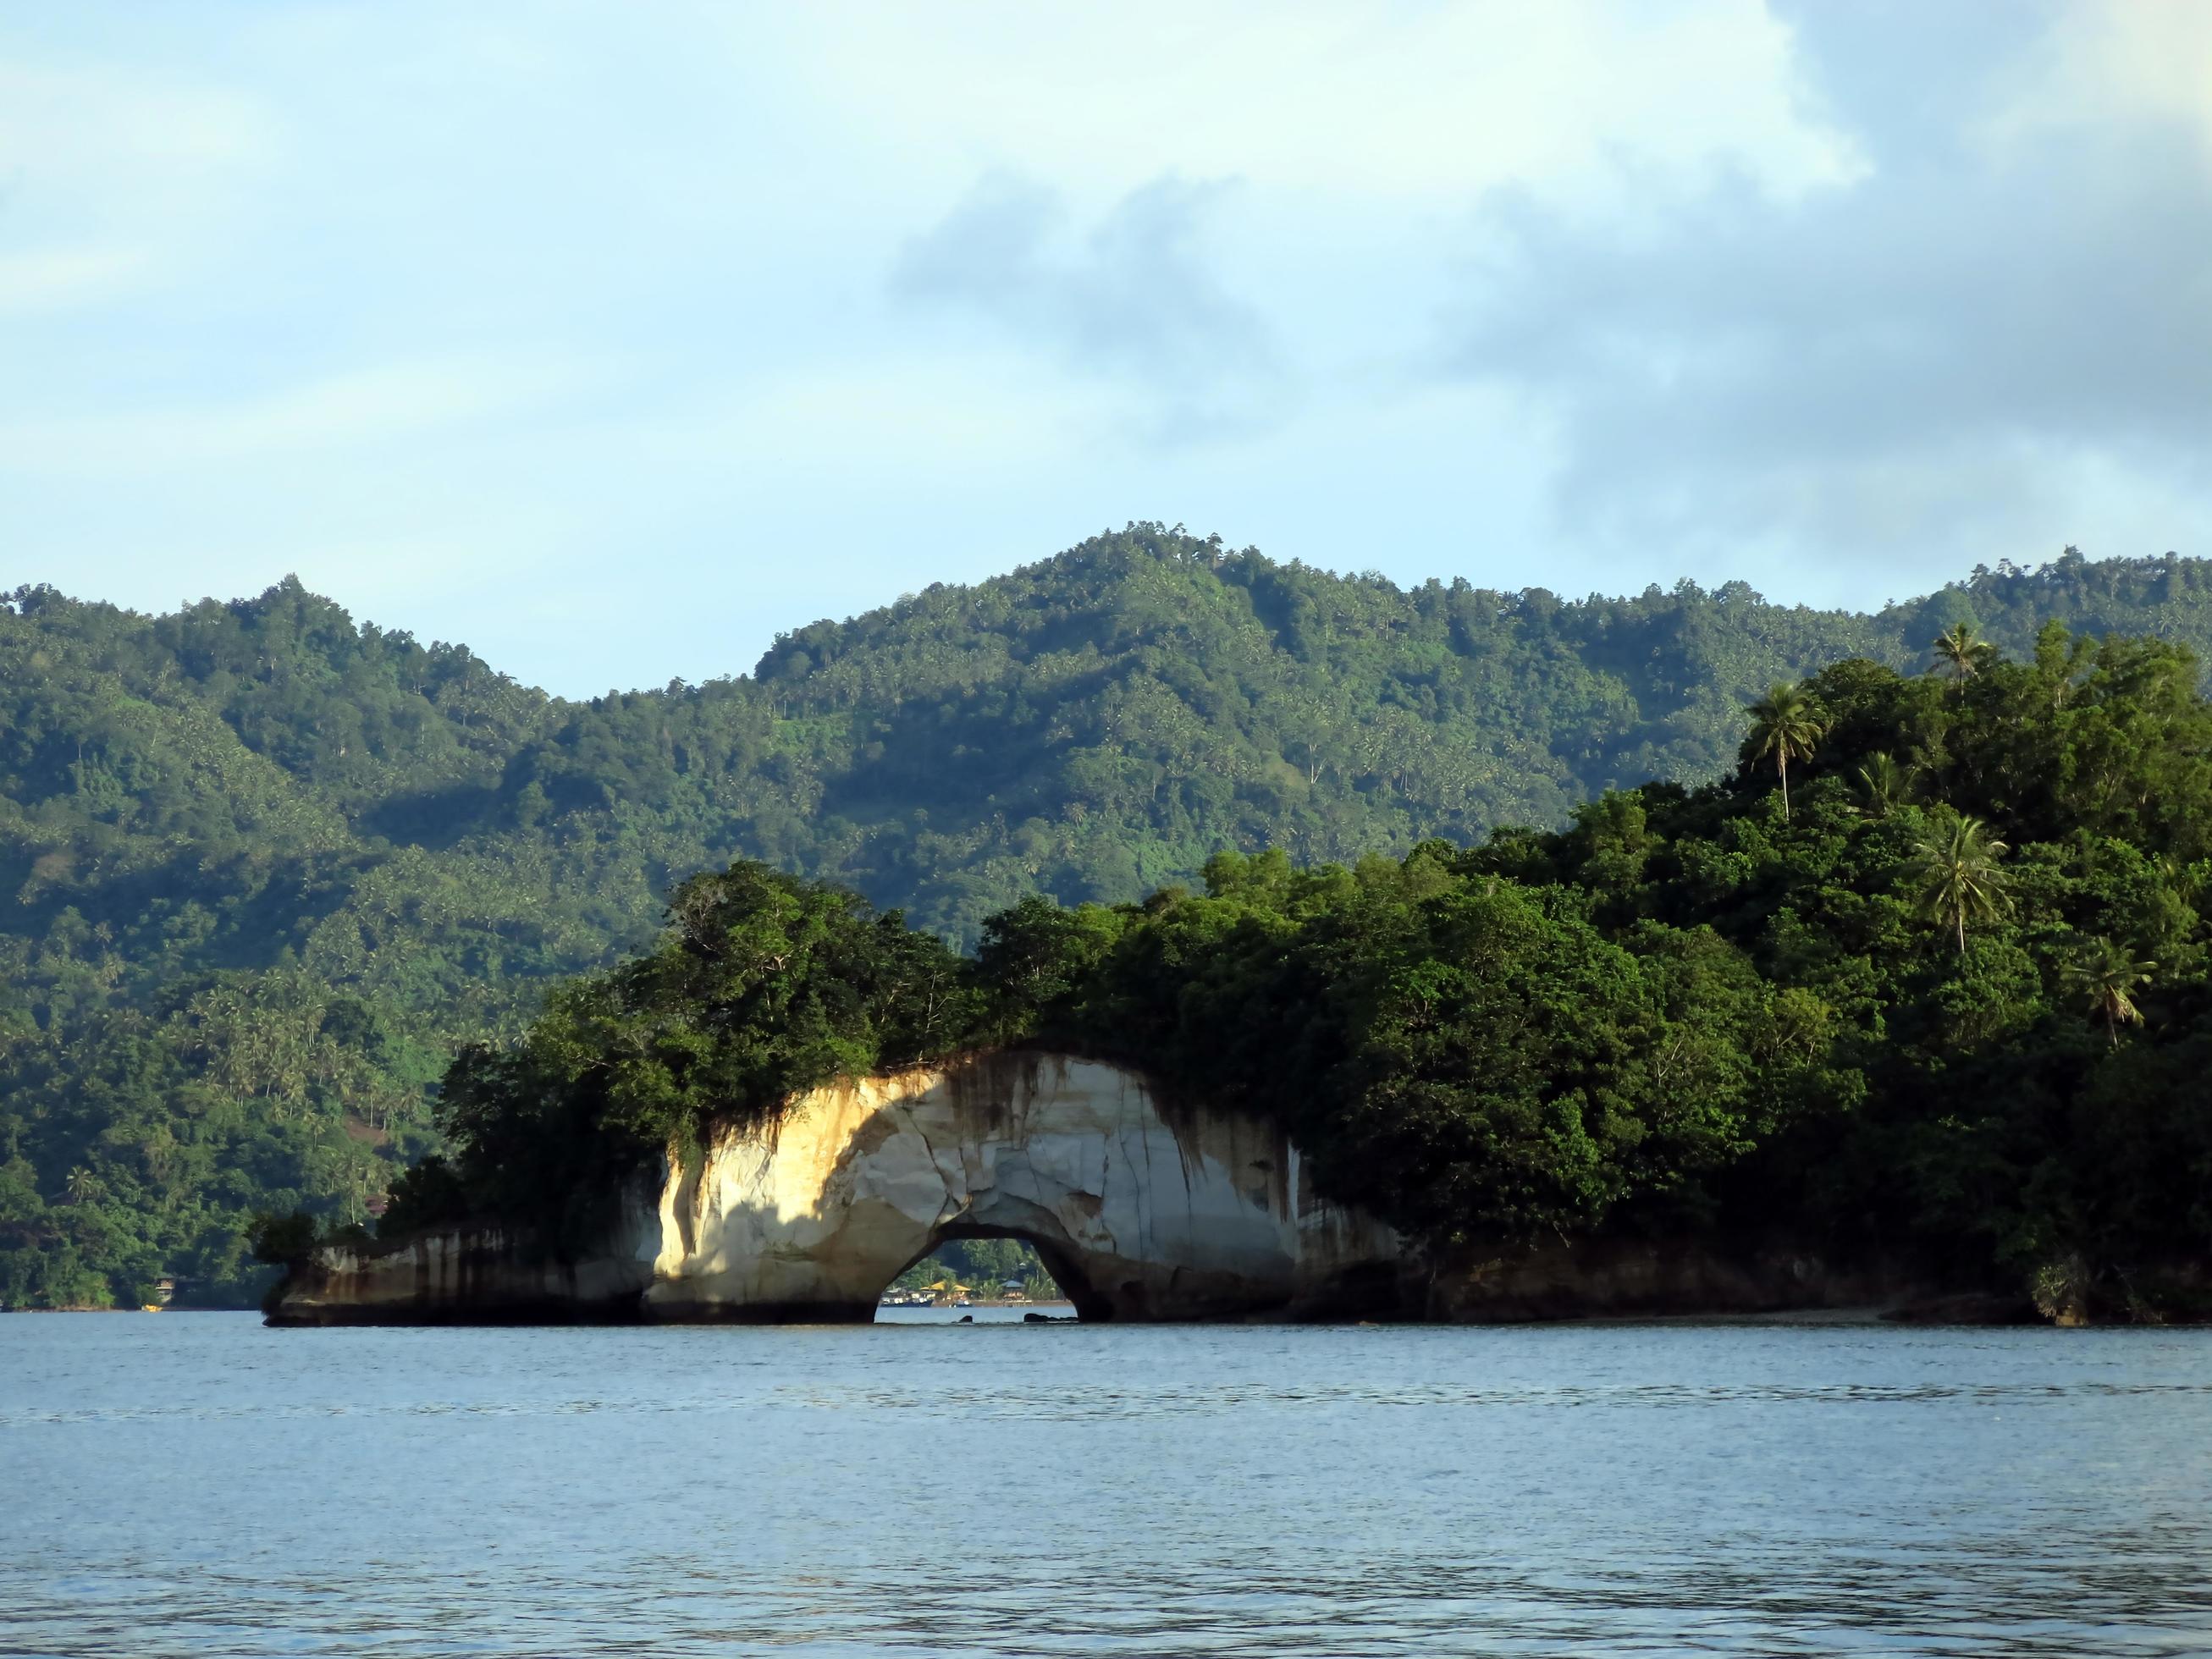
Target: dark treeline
{"type": "Point", "coordinates": [270, 869]}
{"type": "Point", "coordinates": [1946, 1001]}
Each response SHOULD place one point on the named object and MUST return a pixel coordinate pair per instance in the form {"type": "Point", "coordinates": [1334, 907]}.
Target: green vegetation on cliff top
{"type": "Point", "coordinates": [1948, 1008]}
{"type": "Point", "coordinates": [270, 869]}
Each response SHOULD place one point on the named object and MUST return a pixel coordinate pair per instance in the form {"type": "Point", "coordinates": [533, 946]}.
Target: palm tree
{"type": "Point", "coordinates": [1962, 650]}
{"type": "Point", "coordinates": [2105, 976]}
{"type": "Point", "coordinates": [1958, 877]}
{"type": "Point", "coordinates": [1887, 784]}
{"type": "Point", "coordinates": [1785, 723]}
{"type": "Point", "coordinates": [82, 1185]}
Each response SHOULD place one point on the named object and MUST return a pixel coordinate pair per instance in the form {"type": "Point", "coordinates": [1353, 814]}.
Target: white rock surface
{"type": "Point", "coordinates": [1140, 1213]}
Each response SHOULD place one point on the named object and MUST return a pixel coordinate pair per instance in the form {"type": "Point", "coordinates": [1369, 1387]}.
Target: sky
{"type": "Point", "coordinates": [612, 340]}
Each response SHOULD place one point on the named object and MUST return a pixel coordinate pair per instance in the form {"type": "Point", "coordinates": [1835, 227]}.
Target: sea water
{"type": "Point", "coordinates": [196, 1483]}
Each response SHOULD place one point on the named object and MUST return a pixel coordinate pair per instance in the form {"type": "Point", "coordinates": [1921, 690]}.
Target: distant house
{"type": "Point", "coordinates": [1012, 1291]}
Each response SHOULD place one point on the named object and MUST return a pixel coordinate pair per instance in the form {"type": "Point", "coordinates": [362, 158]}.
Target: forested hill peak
{"type": "Point", "coordinates": [1122, 589]}
{"type": "Point", "coordinates": [1093, 724]}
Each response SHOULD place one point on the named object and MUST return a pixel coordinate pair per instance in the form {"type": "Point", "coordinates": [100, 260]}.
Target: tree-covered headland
{"type": "Point", "coordinates": [1946, 1002]}
{"type": "Point", "coordinates": [269, 870]}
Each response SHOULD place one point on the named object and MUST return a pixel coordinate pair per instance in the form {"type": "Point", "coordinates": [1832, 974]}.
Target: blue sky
{"type": "Point", "coordinates": [612, 339]}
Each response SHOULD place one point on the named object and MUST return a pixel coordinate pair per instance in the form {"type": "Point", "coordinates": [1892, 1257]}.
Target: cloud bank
{"type": "Point", "coordinates": [615, 340]}
{"type": "Point", "coordinates": [2005, 318]}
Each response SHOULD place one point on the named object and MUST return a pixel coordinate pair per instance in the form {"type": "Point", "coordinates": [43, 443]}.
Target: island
{"type": "Point", "coordinates": [1909, 1013]}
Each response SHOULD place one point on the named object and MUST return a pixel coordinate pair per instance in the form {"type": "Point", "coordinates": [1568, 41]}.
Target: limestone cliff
{"type": "Point", "coordinates": [1141, 1210]}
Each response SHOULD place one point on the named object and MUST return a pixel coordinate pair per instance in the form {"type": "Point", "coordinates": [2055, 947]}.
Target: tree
{"type": "Point", "coordinates": [1786, 724]}
{"type": "Point", "coordinates": [1958, 877]}
{"type": "Point", "coordinates": [1963, 651]}
{"type": "Point", "coordinates": [2106, 976]}
{"type": "Point", "coordinates": [282, 1240]}
{"type": "Point", "coordinates": [1885, 784]}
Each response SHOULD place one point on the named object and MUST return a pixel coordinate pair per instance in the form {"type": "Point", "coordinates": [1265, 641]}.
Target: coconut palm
{"type": "Point", "coordinates": [2105, 976]}
{"type": "Point", "coordinates": [1785, 724]}
{"type": "Point", "coordinates": [1962, 651]}
{"type": "Point", "coordinates": [1958, 877]}
{"type": "Point", "coordinates": [1884, 785]}
{"type": "Point", "coordinates": [82, 1185]}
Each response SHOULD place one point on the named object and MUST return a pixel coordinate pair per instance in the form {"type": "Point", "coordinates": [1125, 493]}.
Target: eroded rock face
{"type": "Point", "coordinates": [1142, 1212]}
{"type": "Point", "coordinates": [472, 1276]}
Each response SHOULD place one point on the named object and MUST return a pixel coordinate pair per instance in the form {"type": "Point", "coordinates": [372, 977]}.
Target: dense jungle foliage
{"type": "Point", "coordinates": [1948, 1001]}
{"type": "Point", "coordinates": [272, 869]}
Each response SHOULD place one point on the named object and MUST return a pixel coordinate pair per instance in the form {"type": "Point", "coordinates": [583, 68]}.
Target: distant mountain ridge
{"type": "Point", "coordinates": [292, 859]}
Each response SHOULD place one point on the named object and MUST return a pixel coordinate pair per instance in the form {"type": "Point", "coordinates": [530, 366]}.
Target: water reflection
{"type": "Point", "coordinates": [196, 1484]}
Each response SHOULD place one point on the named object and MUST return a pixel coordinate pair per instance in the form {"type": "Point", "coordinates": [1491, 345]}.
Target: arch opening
{"type": "Point", "coordinates": [947, 1257]}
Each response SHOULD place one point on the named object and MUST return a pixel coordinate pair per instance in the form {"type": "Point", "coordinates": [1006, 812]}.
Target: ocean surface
{"type": "Point", "coordinates": [195, 1484]}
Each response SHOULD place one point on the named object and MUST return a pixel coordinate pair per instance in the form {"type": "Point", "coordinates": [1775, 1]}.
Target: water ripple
{"type": "Point", "coordinates": [204, 1487]}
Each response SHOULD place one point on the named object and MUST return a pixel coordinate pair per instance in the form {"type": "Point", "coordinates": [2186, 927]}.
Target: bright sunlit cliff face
{"type": "Point", "coordinates": [518, 324]}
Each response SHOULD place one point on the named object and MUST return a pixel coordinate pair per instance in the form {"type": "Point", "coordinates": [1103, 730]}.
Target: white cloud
{"type": "Point", "coordinates": [2150, 61]}
{"type": "Point", "coordinates": [1933, 358]}
{"type": "Point", "coordinates": [1399, 99]}
{"type": "Point", "coordinates": [341, 412]}
{"type": "Point", "coordinates": [113, 178]}
{"type": "Point", "coordinates": [54, 279]}
{"type": "Point", "coordinates": [115, 129]}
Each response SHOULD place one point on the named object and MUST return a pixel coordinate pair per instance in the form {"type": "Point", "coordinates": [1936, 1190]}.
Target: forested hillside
{"type": "Point", "coordinates": [269, 866]}
{"type": "Point", "coordinates": [1944, 1008]}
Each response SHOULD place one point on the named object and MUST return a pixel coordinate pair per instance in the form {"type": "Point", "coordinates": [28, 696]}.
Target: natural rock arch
{"type": "Point", "coordinates": [1066, 1267]}
{"type": "Point", "coordinates": [1142, 1211]}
